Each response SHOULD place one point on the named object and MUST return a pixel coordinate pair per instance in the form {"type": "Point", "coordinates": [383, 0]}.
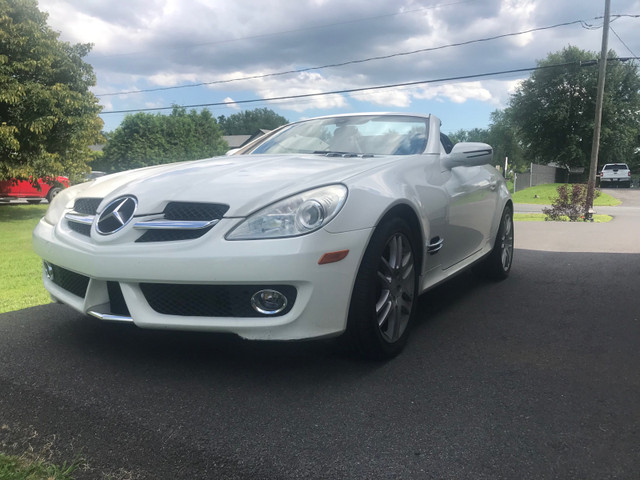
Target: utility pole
{"type": "Point", "coordinates": [602, 72]}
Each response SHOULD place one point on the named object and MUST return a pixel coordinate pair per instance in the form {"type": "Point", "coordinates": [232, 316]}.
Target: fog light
{"type": "Point", "coordinates": [48, 270]}
{"type": "Point", "coordinates": [268, 302]}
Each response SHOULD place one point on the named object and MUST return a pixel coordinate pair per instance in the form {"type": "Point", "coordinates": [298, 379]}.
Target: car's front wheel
{"type": "Point", "coordinates": [385, 293]}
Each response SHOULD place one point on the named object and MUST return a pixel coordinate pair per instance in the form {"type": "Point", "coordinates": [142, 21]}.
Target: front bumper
{"type": "Point", "coordinates": [118, 276]}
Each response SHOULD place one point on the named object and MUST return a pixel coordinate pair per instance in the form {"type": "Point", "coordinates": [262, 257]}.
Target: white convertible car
{"type": "Point", "coordinates": [323, 227]}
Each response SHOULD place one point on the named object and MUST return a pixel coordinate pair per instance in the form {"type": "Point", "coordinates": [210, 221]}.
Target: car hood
{"type": "Point", "coordinates": [244, 182]}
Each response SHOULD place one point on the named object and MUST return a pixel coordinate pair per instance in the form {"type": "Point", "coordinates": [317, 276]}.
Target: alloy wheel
{"type": "Point", "coordinates": [396, 287]}
{"type": "Point", "coordinates": [506, 242]}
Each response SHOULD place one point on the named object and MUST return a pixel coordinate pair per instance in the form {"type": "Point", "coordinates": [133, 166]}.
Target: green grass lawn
{"type": "Point", "coordinates": [541, 217]}
{"type": "Point", "coordinates": [20, 267]}
{"type": "Point", "coordinates": [546, 194]}
{"type": "Point", "coordinates": [21, 468]}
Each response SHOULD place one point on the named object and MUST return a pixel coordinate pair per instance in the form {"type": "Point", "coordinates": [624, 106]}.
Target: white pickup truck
{"type": "Point", "coordinates": [615, 174]}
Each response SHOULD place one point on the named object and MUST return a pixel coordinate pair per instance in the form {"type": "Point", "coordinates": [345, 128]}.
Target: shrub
{"type": "Point", "coordinates": [571, 202]}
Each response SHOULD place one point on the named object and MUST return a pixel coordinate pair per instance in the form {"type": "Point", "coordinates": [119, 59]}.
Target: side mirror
{"type": "Point", "coordinates": [468, 154]}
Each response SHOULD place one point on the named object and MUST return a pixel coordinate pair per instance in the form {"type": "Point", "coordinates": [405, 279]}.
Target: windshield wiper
{"type": "Point", "coordinates": [330, 153]}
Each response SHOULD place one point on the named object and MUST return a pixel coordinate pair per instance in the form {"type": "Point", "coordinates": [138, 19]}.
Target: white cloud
{"type": "Point", "coordinates": [145, 44]}
{"type": "Point", "coordinates": [457, 92]}
{"type": "Point", "coordinates": [230, 103]}
{"type": "Point", "coordinates": [172, 79]}
{"type": "Point", "coordinates": [106, 104]}
{"type": "Point", "coordinates": [522, 10]}
{"type": "Point", "coordinates": [388, 98]}
{"type": "Point", "coordinates": [301, 84]}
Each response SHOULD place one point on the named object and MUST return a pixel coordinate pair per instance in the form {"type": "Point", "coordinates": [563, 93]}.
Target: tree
{"type": "Point", "coordinates": [473, 135]}
{"type": "Point", "coordinates": [146, 139]}
{"type": "Point", "coordinates": [505, 143]}
{"type": "Point", "coordinates": [250, 121]}
{"type": "Point", "coordinates": [48, 116]}
{"type": "Point", "coordinates": [553, 111]}
{"type": "Point", "coordinates": [500, 135]}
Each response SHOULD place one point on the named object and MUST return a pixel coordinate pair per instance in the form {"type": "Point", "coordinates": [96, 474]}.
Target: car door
{"type": "Point", "coordinates": [25, 189]}
{"type": "Point", "coordinates": [473, 197]}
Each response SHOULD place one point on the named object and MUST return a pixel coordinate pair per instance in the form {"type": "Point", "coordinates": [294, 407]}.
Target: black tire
{"type": "Point", "coordinates": [53, 191]}
{"type": "Point", "coordinates": [497, 265]}
{"type": "Point", "coordinates": [385, 293]}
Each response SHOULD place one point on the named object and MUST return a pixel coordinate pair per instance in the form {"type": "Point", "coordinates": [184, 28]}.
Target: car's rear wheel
{"type": "Point", "coordinates": [384, 296]}
{"type": "Point", "coordinates": [498, 264]}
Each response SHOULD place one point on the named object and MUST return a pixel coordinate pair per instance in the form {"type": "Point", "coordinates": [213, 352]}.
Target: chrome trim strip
{"type": "Point", "coordinates": [78, 218]}
{"type": "Point", "coordinates": [435, 247]}
{"type": "Point", "coordinates": [110, 317]}
{"type": "Point", "coordinates": [175, 224]}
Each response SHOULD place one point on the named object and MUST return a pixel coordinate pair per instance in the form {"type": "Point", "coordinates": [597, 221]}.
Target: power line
{"type": "Point", "coordinates": [586, 63]}
{"type": "Point", "coordinates": [358, 61]}
{"type": "Point", "coordinates": [350, 62]}
{"type": "Point", "coordinates": [622, 41]}
{"type": "Point", "coordinates": [361, 89]}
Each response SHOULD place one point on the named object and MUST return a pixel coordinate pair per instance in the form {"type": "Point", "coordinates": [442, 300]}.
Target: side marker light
{"type": "Point", "coordinates": [333, 257]}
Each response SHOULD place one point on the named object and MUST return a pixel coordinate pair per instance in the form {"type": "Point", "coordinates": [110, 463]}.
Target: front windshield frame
{"type": "Point", "coordinates": [354, 135]}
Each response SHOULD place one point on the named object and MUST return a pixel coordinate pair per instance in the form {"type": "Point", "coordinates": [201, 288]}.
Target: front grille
{"type": "Point", "coordinates": [84, 209]}
{"type": "Point", "coordinates": [87, 206]}
{"type": "Point", "coordinates": [185, 212]}
{"type": "Point", "coordinates": [210, 300]}
{"type": "Point", "coordinates": [81, 228]}
{"type": "Point", "coordinates": [194, 211]}
{"type": "Point", "coordinates": [175, 216]}
{"type": "Point", "coordinates": [70, 281]}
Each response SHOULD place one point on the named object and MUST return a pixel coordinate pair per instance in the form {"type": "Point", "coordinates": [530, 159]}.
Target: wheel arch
{"type": "Point", "coordinates": [363, 335]}
{"type": "Point", "coordinates": [409, 215]}
{"type": "Point", "coordinates": [498, 219]}
{"type": "Point", "coordinates": [508, 203]}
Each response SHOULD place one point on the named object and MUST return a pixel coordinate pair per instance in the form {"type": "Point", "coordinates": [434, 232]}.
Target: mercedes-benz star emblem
{"type": "Point", "coordinates": [117, 214]}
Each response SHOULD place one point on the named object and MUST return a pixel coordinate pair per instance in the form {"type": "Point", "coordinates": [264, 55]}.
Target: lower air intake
{"type": "Point", "coordinates": [210, 300]}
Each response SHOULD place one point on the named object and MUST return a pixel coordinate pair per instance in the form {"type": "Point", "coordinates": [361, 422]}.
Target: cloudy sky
{"type": "Point", "coordinates": [217, 52]}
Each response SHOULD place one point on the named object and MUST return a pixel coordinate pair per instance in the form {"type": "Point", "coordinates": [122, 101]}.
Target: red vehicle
{"type": "Point", "coordinates": [24, 189]}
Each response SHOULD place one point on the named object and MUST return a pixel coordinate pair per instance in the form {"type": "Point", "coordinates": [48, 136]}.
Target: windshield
{"type": "Point", "coordinates": [357, 135]}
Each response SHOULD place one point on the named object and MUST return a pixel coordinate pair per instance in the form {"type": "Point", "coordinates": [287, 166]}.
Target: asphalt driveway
{"type": "Point", "coordinates": [535, 377]}
{"type": "Point", "coordinates": [620, 235]}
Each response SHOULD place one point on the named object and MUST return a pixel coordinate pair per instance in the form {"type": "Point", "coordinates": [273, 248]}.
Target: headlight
{"type": "Point", "coordinates": [63, 201]}
{"type": "Point", "coordinates": [298, 215]}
